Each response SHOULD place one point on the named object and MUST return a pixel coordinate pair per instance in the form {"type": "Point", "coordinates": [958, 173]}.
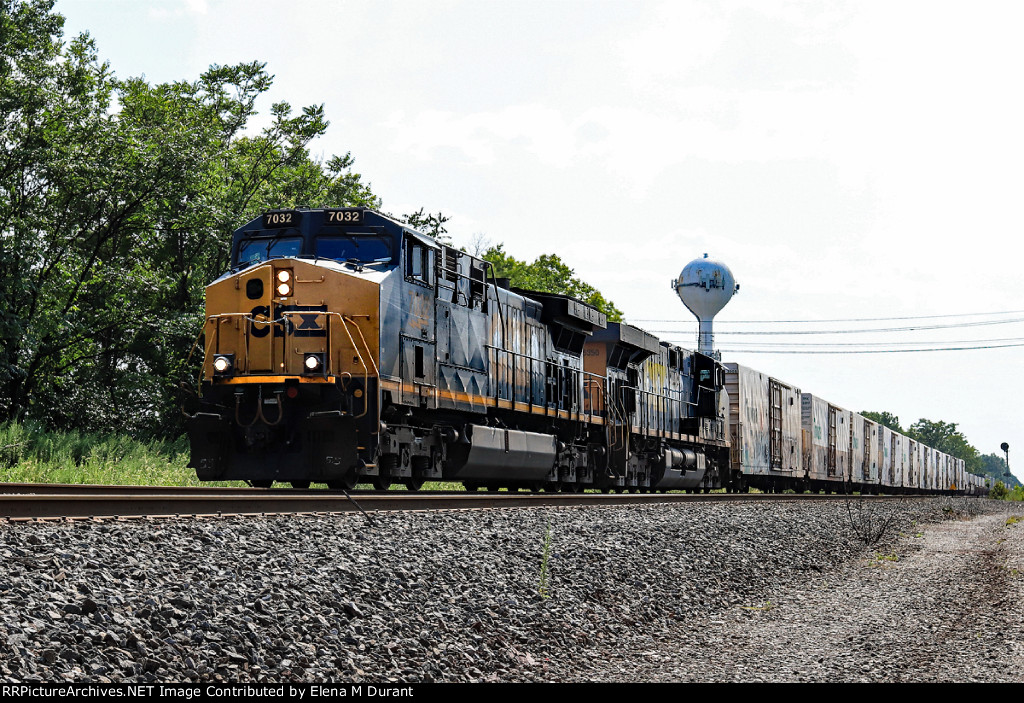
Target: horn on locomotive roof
{"type": "Point", "coordinates": [705, 286]}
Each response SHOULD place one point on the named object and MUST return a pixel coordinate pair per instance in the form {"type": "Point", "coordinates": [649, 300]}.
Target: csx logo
{"type": "Point", "coordinates": [293, 320]}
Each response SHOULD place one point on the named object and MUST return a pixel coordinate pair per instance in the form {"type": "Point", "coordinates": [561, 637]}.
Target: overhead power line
{"type": "Point", "coordinates": [914, 328]}
{"type": "Point", "coordinates": [871, 344]}
{"type": "Point", "coordinates": [847, 319]}
{"type": "Point", "coordinates": [864, 351]}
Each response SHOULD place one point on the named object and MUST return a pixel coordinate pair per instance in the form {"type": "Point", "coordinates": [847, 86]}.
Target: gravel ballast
{"type": "Point", "coordinates": [686, 592]}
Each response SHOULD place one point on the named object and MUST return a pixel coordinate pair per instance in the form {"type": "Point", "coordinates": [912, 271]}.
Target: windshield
{"type": "Point", "coordinates": [365, 248]}
{"type": "Point", "coordinates": [254, 250]}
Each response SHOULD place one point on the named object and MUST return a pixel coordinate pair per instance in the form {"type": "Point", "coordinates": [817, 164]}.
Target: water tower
{"type": "Point", "coordinates": [705, 286]}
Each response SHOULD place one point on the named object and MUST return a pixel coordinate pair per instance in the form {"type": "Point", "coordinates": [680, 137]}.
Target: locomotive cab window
{"type": "Point", "coordinates": [362, 248]}
{"type": "Point", "coordinates": [253, 251]}
{"type": "Point", "coordinates": [419, 262]}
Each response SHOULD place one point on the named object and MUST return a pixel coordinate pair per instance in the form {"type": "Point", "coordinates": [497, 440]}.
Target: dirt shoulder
{"type": "Point", "coordinates": [941, 604]}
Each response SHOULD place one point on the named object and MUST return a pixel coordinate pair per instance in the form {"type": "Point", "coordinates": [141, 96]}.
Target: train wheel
{"type": "Point", "coordinates": [536, 487]}
{"type": "Point", "coordinates": [552, 487]}
{"type": "Point", "coordinates": [471, 487]}
{"type": "Point", "coordinates": [300, 484]}
{"type": "Point", "coordinates": [262, 484]}
{"type": "Point", "coordinates": [381, 484]}
{"type": "Point", "coordinates": [493, 488]}
{"type": "Point", "coordinates": [414, 484]}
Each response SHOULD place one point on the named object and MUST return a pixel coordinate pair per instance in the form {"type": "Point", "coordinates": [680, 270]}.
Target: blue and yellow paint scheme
{"type": "Point", "coordinates": [343, 346]}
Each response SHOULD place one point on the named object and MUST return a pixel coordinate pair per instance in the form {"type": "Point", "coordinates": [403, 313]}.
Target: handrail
{"type": "Point", "coordinates": [578, 414]}
{"type": "Point", "coordinates": [376, 371]}
{"type": "Point", "coordinates": [619, 419]}
{"type": "Point", "coordinates": [497, 299]}
{"type": "Point", "coordinates": [345, 322]}
{"type": "Point", "coordinates": [613, 411]}
{"type": "Point", "coordinates": [359, 356]}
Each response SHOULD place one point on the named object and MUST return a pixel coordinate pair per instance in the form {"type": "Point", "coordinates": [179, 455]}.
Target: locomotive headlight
{"type": "Point", "coordinates": [314, 363]}
{"type": "Point", "coordinates": [284, 282]}
{"type": "Point", "coordinates": [223, 364]}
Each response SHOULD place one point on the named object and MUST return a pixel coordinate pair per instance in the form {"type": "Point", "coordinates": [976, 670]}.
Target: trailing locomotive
{"type": "Point", "coordinates": [344, 347]}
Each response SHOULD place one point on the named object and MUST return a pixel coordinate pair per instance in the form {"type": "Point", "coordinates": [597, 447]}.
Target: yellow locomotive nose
{"type": "Point", "coordinates": [292, 318]}
{"type": "Point", "coordinates": [290, 377]}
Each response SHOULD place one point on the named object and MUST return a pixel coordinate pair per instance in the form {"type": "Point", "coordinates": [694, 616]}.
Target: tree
{"type": "Point", "coordinates": [113, 221]}
{"type": "Point", "coordinates": [884, 418]}
{"type": "Point", "coordinates": [548, 274]}
{"type": "Point", "coordinates": [999, 491]}
{"type": "Point", "coordinates": [59, 206]}
{"type": "Point", "coordinates": [429, 224]}
{"type": "Point", "coordinates": [945, 437]}
{"type": "Point", "coordinates": [995, 466]}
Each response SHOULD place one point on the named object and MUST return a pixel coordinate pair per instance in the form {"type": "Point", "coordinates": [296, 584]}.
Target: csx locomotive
{"type": "Point", "coordinates": [345, 347]}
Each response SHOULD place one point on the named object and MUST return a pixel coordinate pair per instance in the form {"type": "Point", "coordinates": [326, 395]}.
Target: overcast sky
{"type": "Point", "coordinates": [845, 159]}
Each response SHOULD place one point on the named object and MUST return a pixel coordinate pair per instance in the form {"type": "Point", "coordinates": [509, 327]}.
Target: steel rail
{"type": "Point", "coordinates": [169, 501]}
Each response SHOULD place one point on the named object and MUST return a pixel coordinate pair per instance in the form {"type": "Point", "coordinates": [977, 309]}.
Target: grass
{"type": "Point", "coordinates": [882, 558]}
{"type": "Point", "coordinates": [32, 454]}
{"type": "Point", "coordinates": [544, 587]}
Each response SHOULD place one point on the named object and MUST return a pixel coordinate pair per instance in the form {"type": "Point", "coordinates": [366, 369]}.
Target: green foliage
{"type": "Point", "coordinates": [999, 491]}
{"type": "Point", "coordinates": [31, 454]}
{"type": "Point", "coordinates": [881, 559]}
{"type": "Point", "coordinates": [995, 466]}
{"type": "Point", "coordinates": [429, 224]}
{"type": "Point", "coordinates": [884, 418]}
{"type": "Point", "coordinates": [117, 201]}
{"type": "Point", "coordinates": [548, 274]}
{"type": "Point", "coordinates": [945, 437]}
{"type": "Point", "coordinates": [544, 587]}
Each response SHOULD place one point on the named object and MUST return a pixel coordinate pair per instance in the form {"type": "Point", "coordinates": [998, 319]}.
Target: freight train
{"type": "Point", "coordinates": [345, 347]}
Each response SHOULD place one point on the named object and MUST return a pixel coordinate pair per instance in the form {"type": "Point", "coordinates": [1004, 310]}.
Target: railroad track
{"type": "Point", "coordinates": [38, 501]}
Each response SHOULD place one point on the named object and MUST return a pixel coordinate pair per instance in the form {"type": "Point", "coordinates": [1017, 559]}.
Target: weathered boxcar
{"type": "Point", "coordinates": [827, 428]}
{"type": "Point", "coordinates": [764, 429]}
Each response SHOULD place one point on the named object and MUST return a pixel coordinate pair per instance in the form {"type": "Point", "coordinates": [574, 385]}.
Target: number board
{"type": "Point", "coordinates": [284, 218]}
{"type": "Point", "coordinates": [344, 216]}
